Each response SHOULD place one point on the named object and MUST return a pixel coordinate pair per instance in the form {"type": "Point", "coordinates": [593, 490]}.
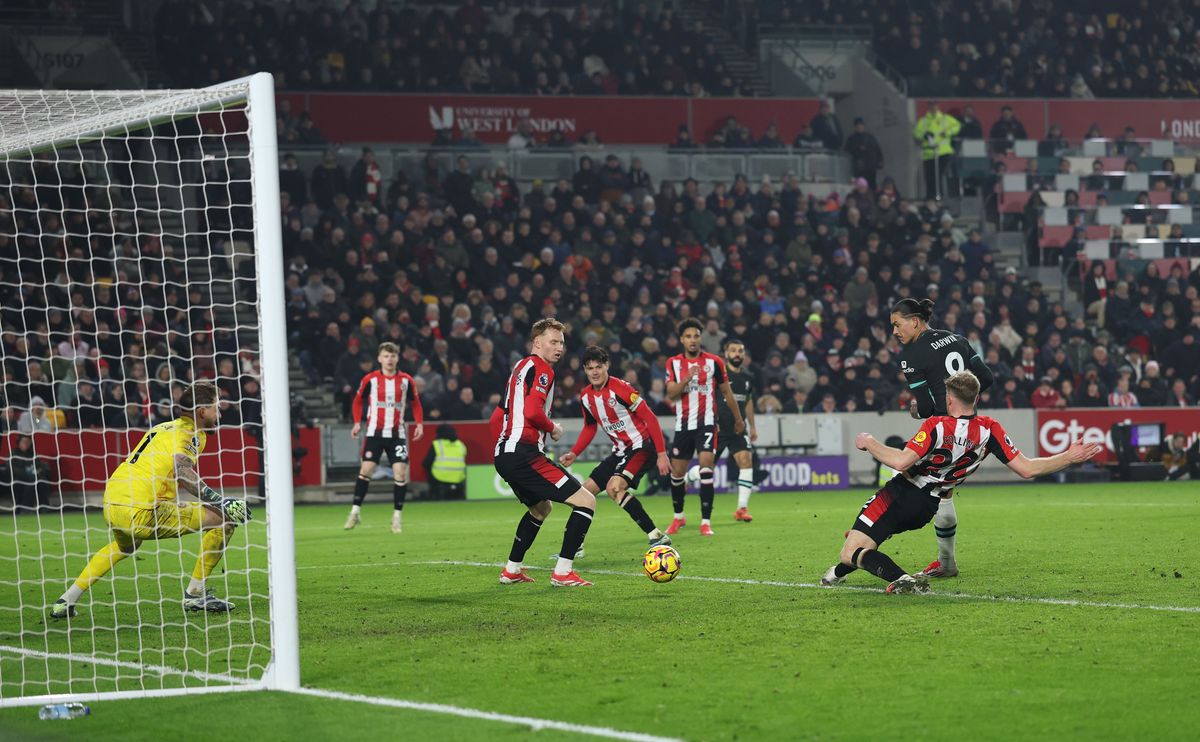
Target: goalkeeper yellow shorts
{"type": "Point", "coordinates": [167, 519]}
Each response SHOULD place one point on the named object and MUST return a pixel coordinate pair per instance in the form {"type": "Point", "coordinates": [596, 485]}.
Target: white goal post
{"type": "Point", "coordinates": [140, 250]}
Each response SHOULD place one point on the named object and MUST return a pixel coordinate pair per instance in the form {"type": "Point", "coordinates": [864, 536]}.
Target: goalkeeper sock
{"type": "Point", "coordinates": [212, 548]}
{"type": "Point", "coordinates": [99, 565]}
{"type": "Point", "coordinates": [527, 531]}
{"type": "Point", "coordinates": [945, 525]}
{"type": "Point", "coordinates": [678, 490]}
{"type": "Point", "coordinates": [881, 565]}
{"type": "Point", "coordinates": [399, 492]}
{"type": "Point", "coordinates": [637, 512]}
{"type": "Point", "coordinates": [745, 487]}
{"type": "Point", "coordinates": [360, 489]}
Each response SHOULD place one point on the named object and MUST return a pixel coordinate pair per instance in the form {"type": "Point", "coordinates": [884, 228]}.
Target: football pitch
{"type": "Point", "coordinates": [1077, 616]}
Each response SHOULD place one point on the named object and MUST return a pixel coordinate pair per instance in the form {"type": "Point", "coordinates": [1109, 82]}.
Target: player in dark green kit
{"type": "Point", "coordinates": [928, 358]}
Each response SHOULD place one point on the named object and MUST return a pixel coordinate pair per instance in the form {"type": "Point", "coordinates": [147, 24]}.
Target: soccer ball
{"type": "Point", "coordinates": [661, 563]}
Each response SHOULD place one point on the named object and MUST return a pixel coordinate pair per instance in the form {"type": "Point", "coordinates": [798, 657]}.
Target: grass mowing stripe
{"type": "Point", "coordinates": [528, 721]}
{"type": "Point", "coordinates": [776, 583]}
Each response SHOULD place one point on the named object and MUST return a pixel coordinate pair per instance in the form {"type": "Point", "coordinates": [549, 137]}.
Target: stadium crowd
{"type": "Point", "coordinates": [1041, 49]}
{"type": "Point", "coordinates": [455, 269]}
{"type": "Point", "coordinates": [501, 48]}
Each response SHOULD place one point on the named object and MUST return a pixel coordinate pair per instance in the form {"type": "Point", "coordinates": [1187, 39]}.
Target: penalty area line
{"type": "Point", "coordinates": [812, 585]}
{"type": "Point", "coordinates": [533, 723]}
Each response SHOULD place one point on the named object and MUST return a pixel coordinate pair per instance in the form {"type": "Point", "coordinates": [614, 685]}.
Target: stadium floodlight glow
{"type": "Point", "coordinates": [140, 230]}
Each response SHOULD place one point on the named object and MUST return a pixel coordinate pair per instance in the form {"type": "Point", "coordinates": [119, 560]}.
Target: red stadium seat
{"type": "Point", "coordinates": [1013, 202]}
{"type": "Point", "coordinates": [1056, 236]}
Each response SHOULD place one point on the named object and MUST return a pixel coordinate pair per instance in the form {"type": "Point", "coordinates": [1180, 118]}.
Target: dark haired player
{"type": "Point", "coordinates": [740, 446]}
{"type": "Point", "coordinates": [521, 423]}
{"type": "Point", "coordinates": [637, 440]}
{"type": "Point", "coordinates": [944, 452]}
{"type": "Point", "coordinates": [928, 358]}
{"type": "Point", "coordinates": [694, 378]}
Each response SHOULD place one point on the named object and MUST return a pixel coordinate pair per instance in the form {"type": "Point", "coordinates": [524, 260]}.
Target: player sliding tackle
{"type": "Point", "coordinates": [637, 440]}
{"type": "Point", "coordinates": [140, 503]}
{"type": "Point", "coordinates": [944, 452]}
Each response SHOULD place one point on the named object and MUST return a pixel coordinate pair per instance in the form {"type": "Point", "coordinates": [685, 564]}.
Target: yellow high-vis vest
{"type": "Point", "coordinates": [449, 461]}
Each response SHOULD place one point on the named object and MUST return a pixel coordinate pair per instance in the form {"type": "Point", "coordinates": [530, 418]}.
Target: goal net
{"type": "Point", "coordinates": [139, 252]}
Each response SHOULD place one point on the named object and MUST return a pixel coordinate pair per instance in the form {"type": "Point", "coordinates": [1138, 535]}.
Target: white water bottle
{"type": "Point", "coordinates": [63, 711]}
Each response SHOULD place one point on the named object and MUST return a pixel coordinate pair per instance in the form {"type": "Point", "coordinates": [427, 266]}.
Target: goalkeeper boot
{"type": "Point", "coordinates": [61, 609]}
{"type": "Point", "coordinates": [353, 521]}
{"type": "Point", "coordinates": [937, 570]}
{"type": "Point", "coordinates": [396, 528]}
{"type": "Point", "coordinates": [830, 578]}
{"type": "Point", "coordinates": [907, 584]}
{"type": "Point", "coordinates": [206, 602]}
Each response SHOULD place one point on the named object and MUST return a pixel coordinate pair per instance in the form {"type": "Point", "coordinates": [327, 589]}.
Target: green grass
{"type": "Point", "coordinates": [695, 659]}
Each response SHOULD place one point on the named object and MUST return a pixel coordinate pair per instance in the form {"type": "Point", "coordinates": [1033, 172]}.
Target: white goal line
{"type": "Point", "coordinates": [533, 723]}
{"type": "Point", "coordinates": [811, 585]}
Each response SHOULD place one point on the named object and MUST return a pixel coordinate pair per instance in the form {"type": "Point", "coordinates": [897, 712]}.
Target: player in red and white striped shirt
{"type": "Point", "coordinates": [944, 452]}
{"type": "Point", "coordinates": [694, 379]}
{"type": "Point", "coordinates": [522, 422]}
{"type": "Point", "coordinates": [615, 406]}
{"type": "Point", "coordinates": [384, 396]}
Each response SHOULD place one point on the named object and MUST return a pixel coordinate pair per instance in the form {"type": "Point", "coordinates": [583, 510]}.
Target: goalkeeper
{"type": "Point", "coordinates": [141, 502]}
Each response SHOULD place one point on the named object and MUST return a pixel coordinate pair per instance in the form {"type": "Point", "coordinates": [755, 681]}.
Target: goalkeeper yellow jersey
{"type": "Point", "coordinates": [148, 474]}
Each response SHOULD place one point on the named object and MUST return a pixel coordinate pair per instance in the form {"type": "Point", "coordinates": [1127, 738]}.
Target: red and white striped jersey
{"type": "Point", "coordinates": [384, 400]}
{"type": "Point", "coordinates": [697, 404]}
{"type": "Point", "coordinates": [612, 407]}
{"type": "Point", "coordinates": [1122, 399]}
{"type": "Point", "coordinates": [527, 398]}
{"type": "Point", "coordinates": [952, 448]}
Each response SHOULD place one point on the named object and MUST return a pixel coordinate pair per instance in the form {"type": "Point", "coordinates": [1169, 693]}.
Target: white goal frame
{"type": "Point", "coordinates": [282, 671]}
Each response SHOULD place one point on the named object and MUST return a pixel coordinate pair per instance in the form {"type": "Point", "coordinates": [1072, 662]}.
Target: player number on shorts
{"type": "Point", "coordinates": [954, 363]}
{"type": "Point", "coordinates": [401, 451]}
{"type": "Point", "coordinates": [708, 440]}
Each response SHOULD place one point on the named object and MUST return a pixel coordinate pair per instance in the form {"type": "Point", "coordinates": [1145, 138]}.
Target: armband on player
{"type": "Point", "coordinates": [210, 495]}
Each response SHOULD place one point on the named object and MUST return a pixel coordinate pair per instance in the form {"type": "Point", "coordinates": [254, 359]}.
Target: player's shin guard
{"type": "Point", "coordinates": [399, 493]}
{"type": "Point", "coordinates": [880, 565]}
{"type": "Point", "coordinates": [945, 525]}
{"type": "Point", "coordinates": [527, 531]}
{"type": "Point", "coordinates": [577, 528]}
{"type": "Point", "coordinates": [706, 493]}
{"type": "Point", "coordinates": [633, 506]}
{"type": "Point", "coordinates": [678, 490]}
{"type": "Point", "coordinates": [360, 489]}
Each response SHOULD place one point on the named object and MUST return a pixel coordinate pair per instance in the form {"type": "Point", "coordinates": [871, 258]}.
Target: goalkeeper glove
{"type": "Point", "coordinates": [236, 511]}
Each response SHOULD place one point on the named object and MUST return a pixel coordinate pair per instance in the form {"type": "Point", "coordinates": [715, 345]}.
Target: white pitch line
{"type": "Point", "coordinates": [527, 721]}
{"type": "Point", "coordinates": [775, 583]}
{"type": "Point", "coordinates": [155, 669]}
{"type": "Point", "coordinates": [533, 723]}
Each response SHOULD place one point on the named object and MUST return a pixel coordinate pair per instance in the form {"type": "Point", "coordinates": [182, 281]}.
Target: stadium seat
{"type": "Point", "coordinates": [1013, 202]}
{"type": "Point", "coordinates": [1056, 236]}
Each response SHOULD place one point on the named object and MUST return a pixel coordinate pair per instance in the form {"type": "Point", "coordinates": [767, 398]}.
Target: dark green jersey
{"type": "Point", "coordinates": [742, 384]}
{"type": "Point", "coordinates": [933, 357]}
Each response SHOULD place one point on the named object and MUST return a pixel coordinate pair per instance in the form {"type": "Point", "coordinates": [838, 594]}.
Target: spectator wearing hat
{"type": "Point", "coordinates": [37, 419]}
{"type": "Point", "coordinates": [1046, 396]}
{"type": "Point", "coordinates": [866, 156]}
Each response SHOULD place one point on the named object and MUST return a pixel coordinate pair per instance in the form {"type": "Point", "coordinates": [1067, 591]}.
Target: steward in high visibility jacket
{"type": "Point", "coordinates": [446, 463]}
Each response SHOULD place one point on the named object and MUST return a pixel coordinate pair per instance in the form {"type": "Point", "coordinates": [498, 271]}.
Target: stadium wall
{"type": "Point", "coordinates": [401, 118]}
{"type": "Point", "coordinates": [1163, 119]}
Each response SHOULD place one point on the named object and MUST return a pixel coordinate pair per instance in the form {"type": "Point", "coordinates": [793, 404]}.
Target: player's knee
{"type": "Point", "coordinates": [541, 511]}
{"type": "Point", "coordinates": [706, 475]}
{"type": "Point", "coordinates": [584, 499]}
{"type": "Point", "coordinates": [616, 489]}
